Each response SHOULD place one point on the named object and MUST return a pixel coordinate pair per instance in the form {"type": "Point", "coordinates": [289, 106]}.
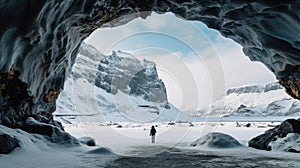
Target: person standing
{"type": "Point", "coordinates": [152, 133]}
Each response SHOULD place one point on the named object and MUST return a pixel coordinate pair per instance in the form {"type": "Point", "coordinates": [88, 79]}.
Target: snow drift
{"type": "Point", "coordinates": [216, 140]}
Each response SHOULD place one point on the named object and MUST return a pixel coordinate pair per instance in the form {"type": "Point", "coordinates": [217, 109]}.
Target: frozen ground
{"type": "Point", "coordinates": [132, 144]}
{"type": "Point", "coordinates": [122, 140]}
{"type": "Point", "coordinates": [131, 147]}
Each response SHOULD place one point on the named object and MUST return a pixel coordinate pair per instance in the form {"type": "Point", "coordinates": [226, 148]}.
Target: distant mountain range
{"type": "Point", "coordinates": [253, 101]}
{"type": "Point", "coordinates": [120, 87]}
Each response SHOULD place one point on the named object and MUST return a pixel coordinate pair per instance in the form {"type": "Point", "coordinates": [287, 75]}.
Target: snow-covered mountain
{"type": "Point", "coordinates": [253, 101]}
{"type": "Point", "coordinates": [118, 87]}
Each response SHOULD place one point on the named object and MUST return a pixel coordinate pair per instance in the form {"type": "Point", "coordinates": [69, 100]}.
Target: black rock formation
{"type": "Point", "coordinates": [40, 41]}
{"type": "Point", "coordinates": [7, 143]}
{"type": "Point", "coordinates": [53, 133]}
{"type": "Point", "coordinates": [280, 131]}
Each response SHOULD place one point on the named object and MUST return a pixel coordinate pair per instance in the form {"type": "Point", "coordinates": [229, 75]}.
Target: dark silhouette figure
{"type": "Point", "coordinates": [152, 133]}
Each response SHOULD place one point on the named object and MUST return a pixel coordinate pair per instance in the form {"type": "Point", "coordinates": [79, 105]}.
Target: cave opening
{"type": "Point", "coordinates": [196, 64]}
{"type": "Point", "coordinates": [190, 42]}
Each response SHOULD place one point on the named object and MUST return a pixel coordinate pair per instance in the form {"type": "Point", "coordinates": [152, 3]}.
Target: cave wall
{"type": "Point", "coordinates": [40, 40]}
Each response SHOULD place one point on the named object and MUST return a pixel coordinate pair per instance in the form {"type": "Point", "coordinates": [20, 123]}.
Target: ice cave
{"type": "Point", "coordinates": [40, 41]}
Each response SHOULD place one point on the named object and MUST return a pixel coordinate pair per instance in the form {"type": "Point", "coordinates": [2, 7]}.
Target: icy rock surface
{"type": "Point", "coordinates": [275, 138]}
{"type": "Point", "coordinates": [216, 140]}
{"type": "Point", "coordinates": [40, 41]}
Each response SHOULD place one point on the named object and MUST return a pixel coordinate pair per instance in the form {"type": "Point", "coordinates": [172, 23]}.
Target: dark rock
{"type": "Point", "coordinates": [32, 126]}
{"type": "Point", "coordinates": [167, 106]}
{"type": "Point", "coordinates": [119, 126]}
{"type": "Point", "coordinates": [53, 133]}
{"type": "Point", "coordinates": [7, 143]}
{"type": "Point", "coordinates": [280, 131]}
{"type": "Point", "coordinates": [87, 141]}
{"type": "Point", "coordinates": [293, 151]}
{"type": "Point", "coordinates": [57, 124]}
{"type": "Point", "coordinates": [171, 123]}
{"type": "Point", "coordinates": [242, 106]}
{"type": "Point", "coordinates": [248, 125]}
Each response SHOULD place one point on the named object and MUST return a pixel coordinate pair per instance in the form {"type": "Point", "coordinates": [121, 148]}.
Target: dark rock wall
{"type": "Point", "coordinates": [40, 40]}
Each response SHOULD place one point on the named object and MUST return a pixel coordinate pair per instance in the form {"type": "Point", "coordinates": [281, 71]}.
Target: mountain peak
{"type": "Point", "coordinates": [121, 71]}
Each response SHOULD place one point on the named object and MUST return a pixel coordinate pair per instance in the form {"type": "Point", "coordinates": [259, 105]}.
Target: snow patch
{"type": "Point", "coordinates": [290, 143]}
{"type": "Point", "coordinates": [216, 140]}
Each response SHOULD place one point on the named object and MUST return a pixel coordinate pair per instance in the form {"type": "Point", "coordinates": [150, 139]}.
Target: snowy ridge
{"type": "Point", "coordinates": [82, 100]}
{"type": "Point", "coordinates": [254, 88]}
{"type": "Point", "coordinates": [253, 101]}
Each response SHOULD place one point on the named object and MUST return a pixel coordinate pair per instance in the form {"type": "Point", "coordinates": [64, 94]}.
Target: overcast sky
{"type": "Point", "coordinates": [196, 63]}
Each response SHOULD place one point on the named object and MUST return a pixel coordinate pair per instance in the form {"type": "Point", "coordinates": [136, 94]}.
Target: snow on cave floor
{"type": "Point", "coordinates": [132, 145]}
{"type": "Point", "coordinates": [132, 148]}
